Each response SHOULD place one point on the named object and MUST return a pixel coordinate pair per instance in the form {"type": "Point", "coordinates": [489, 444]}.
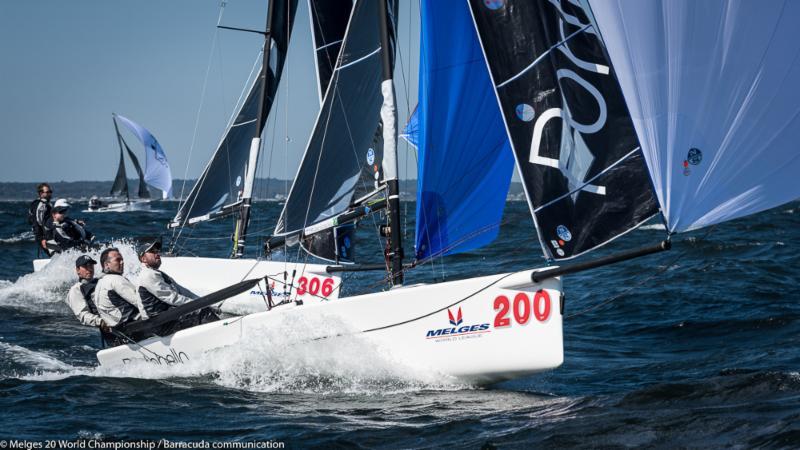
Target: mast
{"type": "Point", "coordinates": [121, 158]}
{"type": "Point", "coordinates": [247, 193]}
{"type": "Point", "coordinates": [389, 117]}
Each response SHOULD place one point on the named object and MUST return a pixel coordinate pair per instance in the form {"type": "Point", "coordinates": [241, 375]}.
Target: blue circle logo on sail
{"type": "Point", "coordinates": [494, 4]}
{"type": "Point", "coordinates": [563, 233]}
{"type": "Point", "coordinates": [694, 156]}
{"type": "Point", "coordinates": [525, 112]}
{"type": "Point", "coordinates": [370, 156]}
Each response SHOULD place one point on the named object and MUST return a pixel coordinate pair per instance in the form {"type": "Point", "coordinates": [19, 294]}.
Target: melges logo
{"type": "Point", "coordinates": [456, 329]}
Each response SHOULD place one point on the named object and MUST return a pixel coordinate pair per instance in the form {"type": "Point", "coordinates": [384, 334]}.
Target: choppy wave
{"type": "Point", "coordinates": [26, 236]}
{"type": "Point", "coordinates": [38, 291]}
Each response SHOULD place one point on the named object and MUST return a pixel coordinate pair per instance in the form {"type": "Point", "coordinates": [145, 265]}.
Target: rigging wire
{"type": "Point", "coordinates": [200, 108]}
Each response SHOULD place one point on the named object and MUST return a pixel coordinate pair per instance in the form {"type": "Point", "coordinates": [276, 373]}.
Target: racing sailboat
{"type": "Point", "coordinates": [536, 77]}
{"type": "Point", "coordinates": [157, 172]}
{"type": "Point", "coordinates": [225, 188]}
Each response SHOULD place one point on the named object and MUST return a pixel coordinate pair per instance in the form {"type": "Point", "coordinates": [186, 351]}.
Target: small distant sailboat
{"type": "Point", "coordinates": [157, 172]}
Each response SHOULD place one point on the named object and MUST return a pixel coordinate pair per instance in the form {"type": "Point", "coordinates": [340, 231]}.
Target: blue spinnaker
{"type": "Point", "coordinates": [465, 160]}
{"type": "Point", "coordinates": [156, 172]}
{"type": "Point", "coordinates": [411, 131]}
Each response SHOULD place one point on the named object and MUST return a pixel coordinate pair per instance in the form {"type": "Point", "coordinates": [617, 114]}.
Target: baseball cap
{"type": "Point", "coordinates": [84, 260]}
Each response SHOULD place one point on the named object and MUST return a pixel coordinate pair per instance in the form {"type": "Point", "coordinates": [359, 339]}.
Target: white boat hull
{"type": "Point", "coordinates": [307, 282]}
{"type": "Point", "coordinates": [479, 330]}
{"type": "Point", "coordinates": [135, 205]}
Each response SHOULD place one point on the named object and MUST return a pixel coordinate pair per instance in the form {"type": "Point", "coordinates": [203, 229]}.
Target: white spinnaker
{"type": "Point", "coordinates": [712, 88]}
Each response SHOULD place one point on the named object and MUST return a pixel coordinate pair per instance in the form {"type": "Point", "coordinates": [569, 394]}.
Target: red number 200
{"type": "Point", "coordinates": [522, 308]}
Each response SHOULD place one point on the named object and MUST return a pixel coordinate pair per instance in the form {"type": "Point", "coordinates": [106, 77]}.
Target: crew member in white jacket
{"type": "Point", "coordinates": [80, 297]}
{"type": "Point", "coordinates": [117, 300]}
{"type": "Point", "coordinates": [159, 292]}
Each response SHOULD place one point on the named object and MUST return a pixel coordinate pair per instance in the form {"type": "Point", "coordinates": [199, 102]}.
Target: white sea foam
{"type": "Point", "coordinates": [42, 290]}
{"type": "Point", "coordinates": [38, 361]}
{"type": "Point", "coordinates": [26, 236]}
{"type": "Point", "coordinates": [653, 227]}
{"type": "Point", "coordinates": [286, 359]}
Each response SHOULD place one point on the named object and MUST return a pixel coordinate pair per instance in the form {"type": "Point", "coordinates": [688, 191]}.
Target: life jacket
{"type": "Point", "coordinates": [68, 233]}
{"type": "Point", "coordinates": [87, 289]}
{"type": "Point", "coordinates": [152, 304]}
{"type": "Point", "coordinates": [126, 310]}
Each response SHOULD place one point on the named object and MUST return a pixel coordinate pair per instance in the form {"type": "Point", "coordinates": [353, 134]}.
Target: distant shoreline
{"type": "Point", "coordinates": [267, 189]}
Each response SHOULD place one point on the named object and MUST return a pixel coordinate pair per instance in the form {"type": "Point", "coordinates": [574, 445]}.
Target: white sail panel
{"type": "Point", "coordinates": [157, 172]}
{"type": "Point", "coordinates": [712, 87]}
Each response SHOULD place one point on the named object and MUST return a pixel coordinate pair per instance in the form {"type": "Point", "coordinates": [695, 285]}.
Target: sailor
{"type": "Point", "coordinates": [80, 298]}
{"type": "Point", "coordinates": [39, 213]}
{"type": "Point", "coordinates": [116, 298]}
{"type": "Point", "coordinates": [159, 292]}
{"type": "Point", "coordinates": [64, 233]}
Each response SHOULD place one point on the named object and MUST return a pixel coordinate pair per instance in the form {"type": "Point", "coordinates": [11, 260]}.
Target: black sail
{"type": "Point", "coordinates": [575, 145]}
{"type": "Point", "coordinates": [328, 25]}
{"type": "Point", "coordinates": [143, 191]}
{"type": "Point", "coordinates": [120, 186]}
{"type": "Point", "coordinates": [217, 192]}
{"type": "Point", "coordinates": [341, 153]}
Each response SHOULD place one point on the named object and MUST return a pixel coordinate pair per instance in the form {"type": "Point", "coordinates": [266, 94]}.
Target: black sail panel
{"type": "Point", "coordinates": [120, 186]}
{"type": "Point", "coordinates": [341, 145]}
{"type": "Point", "coordinates": [574, 142]}
{"type": "Point", "coordinates": [219, 189]}
{"type": "Point", "coordinates": [143, 191]}
{"type": "Point", "coordinates": [328, 25]}
{"type": "Point", "coordinates": [336, 244]}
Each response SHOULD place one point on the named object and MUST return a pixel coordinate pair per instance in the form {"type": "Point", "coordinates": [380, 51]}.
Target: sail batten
{"type": "Point", "coordinates": [224, 179]}
{"type": "Point", "coordinates": [342, 156]}
{"type": "Point", "coordinates": [569, 128]}
{"type": "Point", "coordinates": [328, 24]}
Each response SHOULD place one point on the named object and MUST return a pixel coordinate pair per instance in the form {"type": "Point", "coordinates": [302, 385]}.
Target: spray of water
{"type": "Point", "coordinates": [288, 359]}
{"type": "Point", "coordinates": [42, 291]}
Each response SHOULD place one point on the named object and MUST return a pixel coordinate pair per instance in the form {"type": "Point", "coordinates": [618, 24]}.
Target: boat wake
{"type": "Point", "coordinates": [283, 359]}
{"type": "Point", "coordinates": [25, 237]}
{"type": "Point", "coordinates": [41, 291]}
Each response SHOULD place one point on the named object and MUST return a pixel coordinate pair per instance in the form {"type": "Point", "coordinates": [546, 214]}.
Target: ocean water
{"type": "Point", "coordinates": [695, 347]}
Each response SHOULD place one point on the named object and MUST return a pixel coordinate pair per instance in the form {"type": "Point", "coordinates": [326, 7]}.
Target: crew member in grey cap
{"type": "Point", "coordinates": [159, 292]}
{"type": "Point", "coordinates": [80, 299]}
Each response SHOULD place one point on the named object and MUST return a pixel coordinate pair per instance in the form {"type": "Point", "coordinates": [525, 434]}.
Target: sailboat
{"type": "Point", "coordinates": [226, 186]}
{"type": "Point", "coordinates": [157, 172]}
{"type": "Point", "coordinates": [599, 152]}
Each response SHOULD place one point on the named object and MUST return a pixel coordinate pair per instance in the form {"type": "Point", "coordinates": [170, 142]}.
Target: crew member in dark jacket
{"type": "Point", "coordinates": [64, 232]}
{"type": "Point", "coordinates": [39, 214]}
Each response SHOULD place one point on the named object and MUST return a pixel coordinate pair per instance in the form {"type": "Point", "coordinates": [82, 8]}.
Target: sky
{"type": "Point", "coordinates": [67, 65]}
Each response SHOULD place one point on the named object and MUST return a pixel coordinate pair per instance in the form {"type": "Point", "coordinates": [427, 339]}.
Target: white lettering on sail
{"type": "Point", "coordinates": [575, 158]}
{"type": "Point", "coordinates": [541, 121]}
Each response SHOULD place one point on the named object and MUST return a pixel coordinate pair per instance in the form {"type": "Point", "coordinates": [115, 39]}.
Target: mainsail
{"type": "Point", "coordinates": [575, 146]}
{"type": "Point", "coordinates": [143, 191]}
{"type": "Point", "coordinates": [157, 172]}
{"type": "Point", "coordinates": [328, 25]}
{"type": "Point", "coordinates": [218, 191]}
{"type": "Point", "coordinates": [120, 186]}
{"type": "Point", "coordinates": [465, 160]}
{"type": "Point", "coordinates": [341, 148]}
{"type": "Point", "coordinates": [712, 90]}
